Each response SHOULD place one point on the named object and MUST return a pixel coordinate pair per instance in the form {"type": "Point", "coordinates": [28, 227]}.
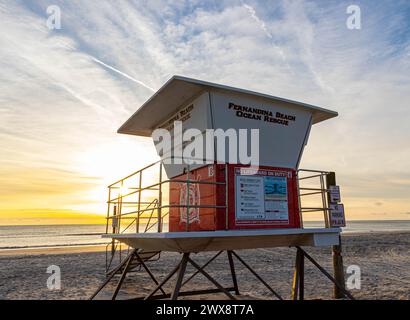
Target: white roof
{"type": "Point", "coordinates": [178, 91]}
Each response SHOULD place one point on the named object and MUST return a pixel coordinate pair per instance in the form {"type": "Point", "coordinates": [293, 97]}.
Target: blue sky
{"type": "Point", "coordinates": [61, 98]}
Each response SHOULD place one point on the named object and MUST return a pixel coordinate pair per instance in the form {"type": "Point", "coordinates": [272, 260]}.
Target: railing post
{"type": "Point", "coordinates": [299, 199]}
{"type": "Point", "coordinates": [226, 196]}
{"type": "Point", "coordinates": [160, 198]}
{"type": "Point", "coordinates": [324, 206]}
{"type": "Point", "coordinates": [338, 269]}
{"type": "Point", "coordinates": [119, 214]}
{"type": "Point", "coordinates": [119, 209]}
{"type": "Point", "coordinates": [108, 209]}
{"type": "Point", "coordinates": [188, 200]}
{"type": "Point", "coordinates": [114, 229]}
{"type": "Point", "coordinates": [139, 202]}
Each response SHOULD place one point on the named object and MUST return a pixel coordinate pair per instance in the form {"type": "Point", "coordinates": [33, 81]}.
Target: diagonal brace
{"type": "Point", "coordinates": [203, 267]}
{"type": "Point", "coordinates": [327, 274]}
{"type": "Point", "coordinates": [257, 276]}
{"type": "Point", "coordinates": [142, 263]}
{"type": "Point", "coordinates": [216, 283]}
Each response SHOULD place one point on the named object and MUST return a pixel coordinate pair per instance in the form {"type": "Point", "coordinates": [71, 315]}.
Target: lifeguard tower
{"type": "Point", "coordinates": [191, 204]}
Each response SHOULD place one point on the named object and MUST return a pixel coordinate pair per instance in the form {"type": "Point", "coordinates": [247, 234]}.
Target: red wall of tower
{"type": "Point", "coordinates": [205, 194]}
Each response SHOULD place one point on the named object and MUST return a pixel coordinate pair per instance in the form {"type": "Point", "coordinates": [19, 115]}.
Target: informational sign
{"type": "Point", "coordinates": [261, 195]}
{"type": "Point", "coordinates": [334, 193]}
{"type": "Point", "coordinates": [337, 215]}
{"type": "Point", "coordinates": [249, 198]}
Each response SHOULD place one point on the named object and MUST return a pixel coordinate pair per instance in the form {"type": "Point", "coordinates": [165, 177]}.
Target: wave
{"type": "Point", "coordinates": [53, 246]}
{"type": "Point", "coordinates": [52, 235]}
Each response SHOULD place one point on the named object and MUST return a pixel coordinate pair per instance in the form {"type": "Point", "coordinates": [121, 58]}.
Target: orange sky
{"type": "Point", "coordinates": [71, 190]}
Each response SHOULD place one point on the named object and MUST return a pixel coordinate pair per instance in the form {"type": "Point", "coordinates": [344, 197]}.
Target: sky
{"type": "Point", "coordinates": [64, 92]}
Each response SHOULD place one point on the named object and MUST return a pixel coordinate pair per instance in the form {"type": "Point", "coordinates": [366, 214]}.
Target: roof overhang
{"type": "Point", "coordinates": [179, 91]}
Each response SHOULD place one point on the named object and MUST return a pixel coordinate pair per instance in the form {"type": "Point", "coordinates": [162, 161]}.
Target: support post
{"type": "Point", "coordinates": [180, 276]}
{"type": "Point", "coordinates": [232, 266]}
{"type": "Point", "coordinates": [302, 277]}
{"type": "Point", "coordinates": [340, 286]}
{"type": "Point", "coordinates": [113, 273]}
{"type": "Point", "coordinates": [298, 286]}
{"type": "Point", "coordinates": [257, 276]}
{"type": "Point", "coordinates": [123, 275]}
{"type": "Point", "coordinates": [338, 270]}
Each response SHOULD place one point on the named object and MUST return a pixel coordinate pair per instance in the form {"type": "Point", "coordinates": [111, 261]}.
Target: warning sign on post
{"type": "Point", "coordinates": [337, 215]}
{"type": "Point", "coordinates": [334, 192]}
{"type": "Point", "coordinates": [261, 195]}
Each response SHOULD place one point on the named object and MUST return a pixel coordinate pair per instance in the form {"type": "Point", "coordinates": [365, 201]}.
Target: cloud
{"type": "Point", "coordinates": [258, 20]}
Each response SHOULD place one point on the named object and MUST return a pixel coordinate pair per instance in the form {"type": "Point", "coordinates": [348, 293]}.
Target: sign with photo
{"type": "Point", "coordinates": [262, 195]}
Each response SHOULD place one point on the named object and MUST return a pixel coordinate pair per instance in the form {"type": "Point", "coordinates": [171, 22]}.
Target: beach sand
{"type": "Point", "coordinates": [382, 257]}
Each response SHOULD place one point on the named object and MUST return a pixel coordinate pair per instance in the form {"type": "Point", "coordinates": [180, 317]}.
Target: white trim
{"type": "Point", "coordinates": [224, 233]}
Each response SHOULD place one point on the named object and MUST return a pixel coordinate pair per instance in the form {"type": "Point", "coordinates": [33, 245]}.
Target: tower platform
{"type": "Point", "coordinates": [228, 240]}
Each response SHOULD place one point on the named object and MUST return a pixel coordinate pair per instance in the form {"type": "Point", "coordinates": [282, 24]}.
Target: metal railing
{"type": "Point", "coordinates": [151, 208]}
{"type": "Point", "coordinates": [314, 184]}
{"type": "Point", "coordinates": [140, 203]}
{"type": "Point", "coordinates": [123, 195]}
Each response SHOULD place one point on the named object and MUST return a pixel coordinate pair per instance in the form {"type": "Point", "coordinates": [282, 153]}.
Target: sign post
{"type": "Point", "coordinates": [338, 269]}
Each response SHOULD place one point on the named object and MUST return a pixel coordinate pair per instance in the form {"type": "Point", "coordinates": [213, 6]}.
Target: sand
{"type": "Point", "coordinates": [382, 257]}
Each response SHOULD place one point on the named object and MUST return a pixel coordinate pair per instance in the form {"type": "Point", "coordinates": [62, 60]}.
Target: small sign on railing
{"type": "Point", "coordinates": [337, 210]}
{"type": "Point", "coordinates": [337, 215]}
{"type": "Point", "coordinates": [334, 193]}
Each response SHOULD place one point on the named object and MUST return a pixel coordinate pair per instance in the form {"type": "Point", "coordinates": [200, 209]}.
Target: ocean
{"type": "Point", "coordinates": [19, 237]}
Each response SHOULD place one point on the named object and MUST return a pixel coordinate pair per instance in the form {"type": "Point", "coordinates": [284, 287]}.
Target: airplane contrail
{"type": "Point", "coordinates": [110, 67]}
{"type": "Point", "coordinates": [122, 73]}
